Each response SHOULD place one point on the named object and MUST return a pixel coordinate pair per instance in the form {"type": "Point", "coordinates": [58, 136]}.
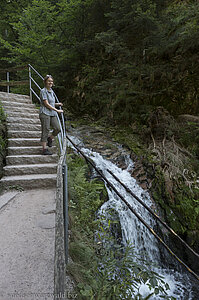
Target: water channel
{"type": "Point", "coordinates": [182, 284]}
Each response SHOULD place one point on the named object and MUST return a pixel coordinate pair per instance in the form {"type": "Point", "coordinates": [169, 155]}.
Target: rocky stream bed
{"type": "Point", "coordinates": [98, 139]}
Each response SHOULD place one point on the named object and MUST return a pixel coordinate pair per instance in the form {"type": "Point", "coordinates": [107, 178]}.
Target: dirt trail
{"type": "Point", "coordinates": [27, 221]}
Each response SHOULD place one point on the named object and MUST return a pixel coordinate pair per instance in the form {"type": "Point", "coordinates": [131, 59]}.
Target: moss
{"type": "Point", "coordinates": [93, 264]}
{"type": "Point", "coordinates": [188, 137]}
{"type": "Point", "coordinates": [130, 140]}
{"type": "Point", "coordinates": [174, 222]}
{"type": "Point", "coordinates": [182, 212]}
{"type": "Point", "coordinates": [188, 207]}
{"type": "Point", "coordinates": [109, 146]}
{"type": "Point", "coordinates": [179, 204]}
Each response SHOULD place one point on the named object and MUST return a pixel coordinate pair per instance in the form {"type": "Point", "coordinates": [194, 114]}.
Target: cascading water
{"type": "Point", "coordinates": [136, 233]}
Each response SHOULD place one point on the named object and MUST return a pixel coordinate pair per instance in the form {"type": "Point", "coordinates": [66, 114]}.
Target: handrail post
{"type": "Point", "coordinates": [65, 210]}
{"type": "Point", "coordinates": [29, 71]}
{"type": "Point", "coordinates": [61, 220]}
{"type": "Point", "coordinates": [8, 79]}
{"type": "Point", "coordinates": [61, 226]}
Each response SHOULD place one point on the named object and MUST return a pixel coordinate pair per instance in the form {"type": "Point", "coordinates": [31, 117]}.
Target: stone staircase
{"type": "Point", "coordinates": [25, 165]}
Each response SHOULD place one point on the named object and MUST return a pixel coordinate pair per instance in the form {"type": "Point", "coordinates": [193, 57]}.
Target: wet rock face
{"type": "Point", "coordinates": [140, 175]}
{"type": "Point", "coordinates": [147, 176]}
{"type": "Point", "coordinates": [97, 139]}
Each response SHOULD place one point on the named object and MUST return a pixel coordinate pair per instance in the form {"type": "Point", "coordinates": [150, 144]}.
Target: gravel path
{"type": "Point", "coordinates": [27, 221]}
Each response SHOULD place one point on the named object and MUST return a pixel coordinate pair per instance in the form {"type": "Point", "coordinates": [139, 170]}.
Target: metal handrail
{"type": "Point", "coordinates": [134, 211]}
{"type": "Point", "coordinates": [62, 134]}
{"type": "Point", "coordinates": [61, 224]}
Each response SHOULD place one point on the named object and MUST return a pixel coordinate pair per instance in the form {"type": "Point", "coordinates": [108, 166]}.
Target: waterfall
{"type": "Point", "coordinates": [135, 232]}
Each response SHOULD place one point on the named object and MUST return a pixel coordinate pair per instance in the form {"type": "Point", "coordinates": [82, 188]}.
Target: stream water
{"type": "Point", "coordinates": [182, 284]}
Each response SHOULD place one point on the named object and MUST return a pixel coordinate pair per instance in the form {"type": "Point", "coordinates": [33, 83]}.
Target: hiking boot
{"type": "Point", "coordinates": [46, 152]}
{"type": "Point", "coordinates": [49, 142]}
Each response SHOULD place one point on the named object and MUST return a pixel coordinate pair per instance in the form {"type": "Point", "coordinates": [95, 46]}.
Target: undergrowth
{"type": "Point", "coordinates": [102, 267]}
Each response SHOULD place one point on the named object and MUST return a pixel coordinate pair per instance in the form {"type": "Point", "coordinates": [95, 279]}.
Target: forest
{"type": "Point", "coordinates": [116, 59]}
{"type": "Point", "coordinates": [131, 65]}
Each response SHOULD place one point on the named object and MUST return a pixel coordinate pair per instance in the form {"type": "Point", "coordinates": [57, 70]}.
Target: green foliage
{"type": "Point", "coordinates": [86, 196]}
{"type": "Point", "coordinates": [115, 60]}
{"type": "Point", "coordinates": [110, 57]}
{"type": "Point", "coordinates": [185, 203]}
{"type": "Point", "coordinates": [189, 138]}
{"type": "Point", "coordinates": [10, 12]}
{"type": "Point", "coordinates": [102, 267]}
{"type": "Point", "coordinates": [119, 277]}
{"type": "Point", "coordinates": [15, 187]}
{"type": "Point", "coordinates": [36, 43]}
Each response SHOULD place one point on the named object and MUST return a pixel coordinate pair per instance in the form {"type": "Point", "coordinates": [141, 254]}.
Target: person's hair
{"type": "Point", "coordinates": [46, 78]}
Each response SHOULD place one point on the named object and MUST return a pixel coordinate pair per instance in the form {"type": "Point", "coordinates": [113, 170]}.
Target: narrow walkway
{"type": "Point", "coordinates": [25, 164]}
{"type": "Point", "coordinates": [27, 221]}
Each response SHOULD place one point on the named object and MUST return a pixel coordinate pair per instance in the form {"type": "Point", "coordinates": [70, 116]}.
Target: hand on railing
{"type": "Point", "coordinates": [59, 110]}
{"type": "Point", "coordinates": [59, 104]}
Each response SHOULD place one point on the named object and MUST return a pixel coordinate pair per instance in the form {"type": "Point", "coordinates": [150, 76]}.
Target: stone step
{"type": "Point", "coordinates": [30, 159]}
{"type": "Point", "coordinates": [26, 166]}
{"type": "Point", "coordinates": [23, 126]}
{"type": "Point", "coordinates": [27, 109]}
{"type": "Point", "coordinates": [23, 120]}
{"type": "Point", "coordinates": [21, 105]}
{"type": "Point", "coordinates": [23, 142]}
{"type": "Point", "coordinates": [30, 169]}
{"type": "Point", "coordinates": [25, 134]}
{"type": "Point", "coordinates": [28, 150]}
{"type": "Point", "coordinates": [22, 114]}
{"type": "Point", "coordinates": [14, 97]}
{"type": "Point", "coordinates": [31, 181]}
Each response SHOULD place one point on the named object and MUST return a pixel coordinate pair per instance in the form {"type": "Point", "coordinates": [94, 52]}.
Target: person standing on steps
{"type": "Point", "coordinates": [47, 115]}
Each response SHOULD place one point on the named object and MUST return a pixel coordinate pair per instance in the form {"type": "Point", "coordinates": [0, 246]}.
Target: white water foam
{"type": "Point", "coordinates": [132, 229]}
